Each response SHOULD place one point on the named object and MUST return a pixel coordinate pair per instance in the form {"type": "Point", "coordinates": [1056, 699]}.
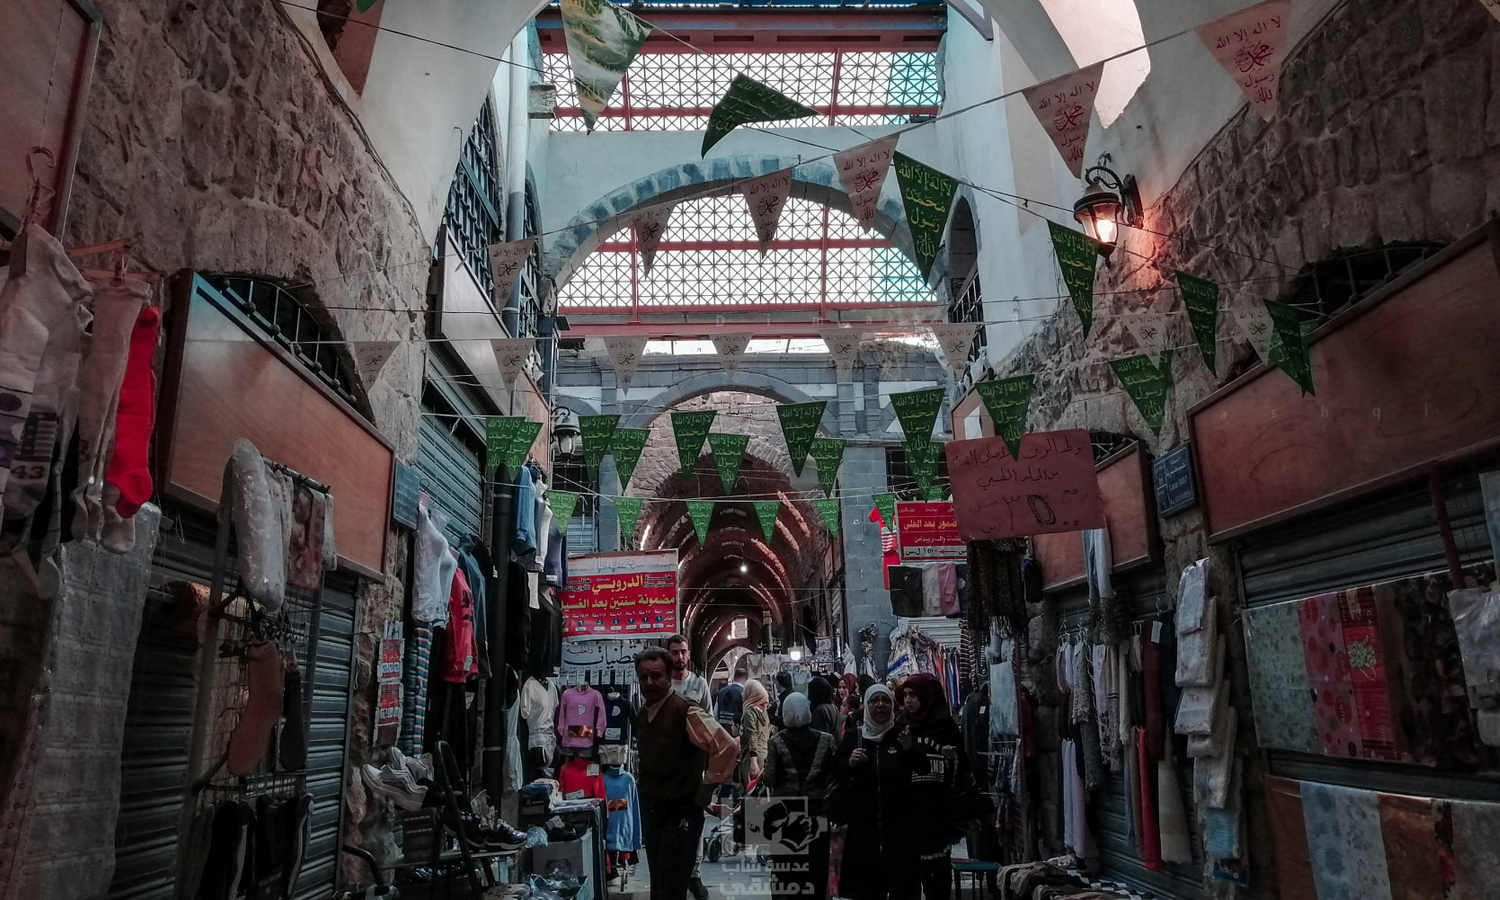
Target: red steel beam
{"type": "Point", "coordinates": [800, 244]}
{"type": "Point", "coordinates": [701, 329]}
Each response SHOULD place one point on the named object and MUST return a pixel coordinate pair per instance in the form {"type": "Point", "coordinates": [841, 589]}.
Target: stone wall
{"type": "Point", "coordinates": [1388, 131]}
{"type": "Point", "coordinates": [212, 135]}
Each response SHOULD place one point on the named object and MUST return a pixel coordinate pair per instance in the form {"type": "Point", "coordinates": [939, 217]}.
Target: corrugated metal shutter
{"type": "Point", "coordinates": [451, 476]}
{"type": "Point", "coordinates": [158, 725]}
{"type": "Point", "coordinates": [948, 632]}
{"type": "Point", "coordinates": [583, 535]}
{"type": "Point", "coordinates": [1390, 535]}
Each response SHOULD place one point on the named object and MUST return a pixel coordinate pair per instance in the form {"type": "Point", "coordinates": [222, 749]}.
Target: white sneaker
{"type": "Point", "coordinates": [405, 794]}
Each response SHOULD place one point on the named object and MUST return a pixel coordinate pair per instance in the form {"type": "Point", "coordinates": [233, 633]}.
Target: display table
{"type": "Point", "coordinates": [590, 820]}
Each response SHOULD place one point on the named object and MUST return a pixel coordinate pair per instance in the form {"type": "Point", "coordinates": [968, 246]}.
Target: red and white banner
{"type": "Point", "coordinates": [1251, 46]}
{"type": "Point", "coordinates": [621, 595]}
{"type": "Point", "coordinates": [1065, 107]}
{"type": "Point", "coordinates": [650, 224]}
{"type": "Point", "coordinates": [766, 197]}
{"type": "Point", "coordinates": [929, 533]}
{"type": "Point", "coordinates": [862, 170]}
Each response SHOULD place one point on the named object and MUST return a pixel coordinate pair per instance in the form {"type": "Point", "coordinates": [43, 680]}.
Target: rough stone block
{"type": "Point", "coordinates": [1454, 117]}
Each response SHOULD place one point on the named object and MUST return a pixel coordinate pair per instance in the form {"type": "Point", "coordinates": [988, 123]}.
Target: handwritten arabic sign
{"type": "Point", "coordinates": [626, 448]}
{"type": "Point", "coordinates": [928, 195]}
{"type": "Point", "coordinates": [747, 100]}
{"type": "Point", "coordinates": [1146, 383]}
{"type": "Point", "coordinates": [691, 430]}
{"type": "Point", "coordinates": [799, 424]}
{"type": "Point", "coordinates": [1077, 255]}
{"type": "Point", "coordinates": [1251, 46]}
{"type": "Point", "coordinates": [862, 170]}
{"type": "Point", "coordinates": [1065, 107]}
{"type": "Point", "coordinates": [1053, 487]}
{"type": "Point", "coordinates": [621, 594]}
{"type": "Point", "coordinates": [1201, 297]}
{"type": "Point", "coordinates": [929, 531]}
{"type": "Point", "coordinates": [766, 196]}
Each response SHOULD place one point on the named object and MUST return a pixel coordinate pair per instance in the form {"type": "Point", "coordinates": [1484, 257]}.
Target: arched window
{"type": "Point", "coordinates": [474, 213]}
{"type": "Point", "coordinates": [289, 321]}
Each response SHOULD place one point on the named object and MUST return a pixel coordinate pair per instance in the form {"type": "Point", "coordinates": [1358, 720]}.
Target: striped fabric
{"type": "Point", "coordinates": [415, 675]}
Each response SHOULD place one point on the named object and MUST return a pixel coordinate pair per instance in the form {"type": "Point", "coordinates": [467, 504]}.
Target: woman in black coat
{"type": "Point", "coordinates": [825, 713]}
{"type": "Point", "coordinates": [940, 782]}
{"type": "Point", "coordinates": [871, 786]}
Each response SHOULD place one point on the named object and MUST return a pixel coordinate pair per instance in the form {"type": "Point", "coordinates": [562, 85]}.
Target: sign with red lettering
{"type": "Point", "coordinates": [1053, 487]}
{"type": "Point", "coordinates": [624, 595]}
{"type": "Point", "coordinates": [928, 532]}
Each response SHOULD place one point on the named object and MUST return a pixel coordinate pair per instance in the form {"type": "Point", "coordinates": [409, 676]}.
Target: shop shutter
{"type": "Point", "coordinates": [159, 723]}
{"type": "Point", "coordinates": [451, 476]}
{"type": "Point", "coordinates": [948, 632]}
{"type": "Point", "coordinates": [1391, 535]}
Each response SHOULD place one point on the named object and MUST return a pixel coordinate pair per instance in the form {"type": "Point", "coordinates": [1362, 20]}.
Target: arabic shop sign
{"type": "Point", "coordinates": [621, 595]}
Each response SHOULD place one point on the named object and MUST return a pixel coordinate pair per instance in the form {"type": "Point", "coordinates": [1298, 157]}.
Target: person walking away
{"type": "Point", "coordinates": [799, 771]}
{"type": "Point", "coordinates": [940, 782]}
{"type": "Point", "coordinates": [783, 690]}
{"type": "Point", "coordinates": [870, 787]}
{"type": "Point", "coordinates": [682, 753]}
{"type": "Point", "coordinates": [731, 700]}
{"type": "Point", "coordinates": [825, 714]}
{"type": "Point", "coordinates": [694, 688]}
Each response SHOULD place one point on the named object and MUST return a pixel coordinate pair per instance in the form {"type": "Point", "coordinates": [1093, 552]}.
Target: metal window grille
{"type": "Point", "coordinates": [899, 478]}
{"type": "Point", "coordinates": [1336, 283]}
{"type": "Point", "coordinates": [968, 306]}
{"type": "Point", "coordinates": [287, 320]}
{"type": "Point", "coordinates": [676, 91]}
{"type": "Point", "coordinates": [473, 212]}
{"type": "Point", "coordinates": [709, 259]}
{"type": "Point", "coordinates": [531, 278]}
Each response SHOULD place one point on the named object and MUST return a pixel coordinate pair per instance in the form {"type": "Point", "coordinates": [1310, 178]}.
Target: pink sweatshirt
{"type": "Point", "coordinates": [580, 717]}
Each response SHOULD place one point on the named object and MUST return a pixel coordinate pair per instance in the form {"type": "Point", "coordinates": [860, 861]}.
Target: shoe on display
{"type": "Point", "coordinates": [698, 889]}
{"type": "Point", "coordinates": [418, 767]}
{"type": "Point", "coordinates": [405, 795]}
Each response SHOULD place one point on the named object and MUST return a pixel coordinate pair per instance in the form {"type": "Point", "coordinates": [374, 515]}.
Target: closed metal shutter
{"type": "Point", "coordinates": [946, 631]}
{"type": "Point", "coordinates": [159, 723]}
{"type": "Point", "coordinates": [450, 448]}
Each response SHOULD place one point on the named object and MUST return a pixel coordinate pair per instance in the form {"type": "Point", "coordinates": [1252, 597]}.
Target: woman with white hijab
{"type": "Point", "coordinates": [870, 788]}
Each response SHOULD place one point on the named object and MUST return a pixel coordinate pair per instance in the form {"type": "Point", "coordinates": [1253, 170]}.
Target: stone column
{"type": "Point", "coordinates": [863, 475]}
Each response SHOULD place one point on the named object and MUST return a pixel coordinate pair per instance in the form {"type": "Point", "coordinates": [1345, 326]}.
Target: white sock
{"type": "Point", "coordinates": [115, 311]}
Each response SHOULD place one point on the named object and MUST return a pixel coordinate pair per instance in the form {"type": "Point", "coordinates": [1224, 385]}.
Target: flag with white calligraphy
{"type": "Point", "coordinates": [506, 261]}
{"type": "Point", "coordinates": [625, 352]}
{"type": "Point", "coordinates": [1065, 107]}
{"type": "Point", "coordinates": [700, 513]}
{"type": "Point", "coordinates": [512, 354]}
{"type": "Point", "coordinates": [628, 509]}
{"type": "Point", "coordinates": [1254, 322]}
{"type": "Point", "coordinates": [767, 512]}
{"type": "Point", "coordinates": [371, 357]}
{"type": "Point", "coordinates": [843, 346]}
{"type": "Point", "coordinates": [766, 196]}
{"type": "Point", "coordinates": [956, 340]}
{"type": "Point", "coordinates": [1251, 46]}
{"type": "Point", "coordinates": [1146, 383]}
{"type": "Point", "coordinates": [862, 170]}
{"type": "Point", "coordinates": [746, 101]}
{"type": "Point", "coordinates": [1150, 332]}
{"type": "Point", "coordinates": [927, 195]}
{"type": "Point", "coordinates": [650, 224]}
{"type": "Point", "coordinates": [731, 347]}
{"type": "Point", "coordinates": [829, 510]}
{"type": "Point", "coordinates": [1201, 297]}
{"type": "Point", "coordinates": [563, 503]}
{"type": "Point", "coordinates": [602, 43]}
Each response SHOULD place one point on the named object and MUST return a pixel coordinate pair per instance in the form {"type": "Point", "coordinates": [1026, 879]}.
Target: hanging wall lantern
{"type": "Point", "coordinates": [1108, 203]}
{"type": "Point", "coordinates": [566, 434]}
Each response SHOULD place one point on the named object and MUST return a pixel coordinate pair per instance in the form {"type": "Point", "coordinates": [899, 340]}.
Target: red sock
{"type": "Point", "coordinates": [128, 469]}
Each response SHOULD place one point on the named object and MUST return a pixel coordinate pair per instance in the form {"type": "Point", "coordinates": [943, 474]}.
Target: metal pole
{"type": "Point", "coordinates": [501, 529]}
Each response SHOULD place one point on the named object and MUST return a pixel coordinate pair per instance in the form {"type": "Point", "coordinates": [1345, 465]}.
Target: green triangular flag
{"type": "Point", "coordinates": [1146, 384]}
{"type": "Point", "coordinates": [933, 493]}
{"type": "Point", "coordinates": [729, 455]}
{"type": "Point", "coordinates": [767, 511]}
{"type": "Point", "coordinates": [629, 511]}
{"type": "Point", "coordinates": [799, 425]}
{"type": "Point", "coordinates": [598, 432]}
{"type": "Point", "coordinates": [921, 457]}
{"type": "Point", "coordinates": [497, 432]}
{"type": "Point", "coordinates": [1289, 351]}
{"type": "Point", "coordinates": [700, 511]}
{"type": "Point", "coordinates": [602, 42]}
{"type": "Point", "coordinates": [886, 503]}
{"type": "Point", "coordinates": [562, 504]}
{"type": "Point", "coordinates": [691, 430]}
{"type": "Point", "coordinates": [746, 101]}
{"type": "Point", "coordinates": [1201, 297]}
{"type": "Point", "coordinates": [365, 5]}
{"type": "Point", "coordinates": [522, 436]}
{"type": "Point", "coordinates": [918, 411]}
{"type": "Point", "coordinates": [1077, 256]}
{"type": "Point", "coordinates": [827, 453]}
{"type": "Point", "coordinates": [927, 195]}
{"type": "Point", "coordinates": [626, 449]}
{"type": "Point", "coordinates": [829, 510]}
{"type": "Point", "coordinates": [1007, 400]}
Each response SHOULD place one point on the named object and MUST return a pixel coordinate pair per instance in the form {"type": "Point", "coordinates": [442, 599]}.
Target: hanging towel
{"type": "Point", "coordinates": [1327, 661]}
{"type": "Point", "coordinates": [1221, 827]}
{"type": "Point", "coordinates": [1476, 619]}
{"type": "Point", "coordinates": [1213, 743]}
{"type": "Point", "coordinates": [1211, 773]}
{"type": "Point", "coordinates": [1150, 824]}
{"type": "Point", "coordinates": [1414, 858]}
{"type": "Point", "coordinates": [1004, 711]}
{"type": "Point", "coordinates": [1176, 847]}
{"type": "Point", "coordinates": [1476, 852]}
{"type": "Point", "coordinates": [1197, 626]}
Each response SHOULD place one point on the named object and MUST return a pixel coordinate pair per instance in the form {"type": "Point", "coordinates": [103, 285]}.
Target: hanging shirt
{"type": "Point", "coordinates": [581, 778]}
{"type": "Point", "coordinates": [469, 565]}
{"type": "Point", "coordinates": [555, 569]}
{"type": "Point", "coordinates": [461, 658]}
{"type": "Point", "coordinates": [906, 591]}
{"type": "Point", "coordinates": [580, 717]}
{"type": "Point", "coordinates": [623, 833]}
{"type": "Point", "coordinates": [889, 556]}
{"type": "Point", "coordinates": [619, 719]}
{"type": "Point", "coordinates": [525, 507]}
{"type": "Point", "coordinates": [539, 709]}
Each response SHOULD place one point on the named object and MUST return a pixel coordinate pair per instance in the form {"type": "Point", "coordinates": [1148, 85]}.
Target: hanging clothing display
{"type": "Point", "coordinates": [460, 661]}
{"type": "Point", "coordinates": [539, 700]}
{"type": "Point", "coordinates": [623, 832]}
{"type": "Point", "coordinates": [580, 717]}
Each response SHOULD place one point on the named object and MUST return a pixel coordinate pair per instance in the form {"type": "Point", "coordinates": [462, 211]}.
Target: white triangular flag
{"type": "Point", "coordinates": [731, 347]}
{"type": "Point", "coordinates": [843, 346]}
{"type": "Point", "coordinates": [766, 197]}
{"type": "Point", "coordinates": [512, 354]}
{"type": "Point", "coordinates": [1065, 106]}
{"type": "Point", "coordinates": [956, 339]}
{"type": "Point", "coordinates": [862, 170]}
{"type": "Point", "coordinates": [650, 224]}
{"type": "Point", "coordinates": [625, 352]}
{"type": "Point", "coordinates": [1251, 46]}
{"type": "Point", "coordinates": [1150, 332]}
{"type": "Point", "coordinates": [371, 357]}
{"type": "Point", "coordinates": [1255, 324]}
{"type": "Point", "coordinates": [506, 261]}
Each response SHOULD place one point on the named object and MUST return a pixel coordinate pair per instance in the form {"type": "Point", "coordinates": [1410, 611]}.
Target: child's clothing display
{"type": "Point", "coordinates": [580, 717]}
{"type": "Point", "coordinates": [623, 832]}
{"type": "Point", "coordinates": [619, 718]}
{"type": "Point", "coordinates": [581, 778]}
{"type": "Point", "coordinates": [539, 709]}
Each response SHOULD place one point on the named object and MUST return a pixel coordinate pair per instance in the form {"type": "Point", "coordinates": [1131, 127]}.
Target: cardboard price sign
{"type": "Point", "coordinates": [929, 532]}
{"type": "Point", "coordinates": [1053, 487]}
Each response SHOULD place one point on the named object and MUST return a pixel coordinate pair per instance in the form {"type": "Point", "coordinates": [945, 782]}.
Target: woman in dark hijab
{"type": "Point", "coordinates": [849, 703]}
{"type": "Point", "coordinates": [938, 768]}
{"type": "Point", "coordinates": [825, 715]}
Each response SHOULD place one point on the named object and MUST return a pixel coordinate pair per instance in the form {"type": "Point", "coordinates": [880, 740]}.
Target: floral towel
{"type": "Point", "coordinates": [1294, 875]}
{"type": "Point", "coordinates": [1280, 690]}
{"type": "Point", "coordinates": [1327, 661]}
{"type": "Point", "coordinates": [1367, 653]}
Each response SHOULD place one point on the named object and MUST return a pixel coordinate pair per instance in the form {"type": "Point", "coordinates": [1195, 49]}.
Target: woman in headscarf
{"type": "Point", "coordinates": [799, 764]}
{"type": "Point", "coordinates": [939, 779]}
{"type": "Point", "coordinates": [825, 713]}
{"type": "Point", "coordinates": [755, 731]}
{"type": "Point", "coordinates": [871, 785]}
{"type": "Point", "coordinates": [849, 696]}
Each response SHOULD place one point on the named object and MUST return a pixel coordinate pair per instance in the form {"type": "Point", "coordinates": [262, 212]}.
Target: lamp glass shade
{"type": "Point", "coordinates": [1099, 211]}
